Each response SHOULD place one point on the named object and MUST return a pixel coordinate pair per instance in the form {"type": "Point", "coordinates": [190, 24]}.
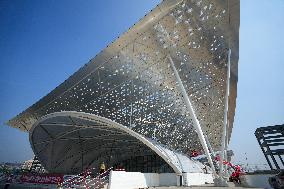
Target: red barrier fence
{"type": "Point", "coordinates": [42, 178]}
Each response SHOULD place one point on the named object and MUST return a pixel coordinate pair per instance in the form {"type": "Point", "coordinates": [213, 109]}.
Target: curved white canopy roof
{"type": "Point", "coordinates": [68, 142]}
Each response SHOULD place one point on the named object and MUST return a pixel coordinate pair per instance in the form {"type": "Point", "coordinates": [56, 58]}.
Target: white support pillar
{"type": "Point", "coordinates": [131, 106]}
{"type": "Point", "coordinates": [226, 152]}
{"type": "Point", "coordinates": [209, 145]}
{"type": "Point", "coordinates": [224, 136]}
{"type": "Point", "coordinates": [194, 118]}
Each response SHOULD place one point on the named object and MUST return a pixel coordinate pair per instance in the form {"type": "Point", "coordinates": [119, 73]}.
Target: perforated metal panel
{"type": "Point", "coordinates": [132, 83]}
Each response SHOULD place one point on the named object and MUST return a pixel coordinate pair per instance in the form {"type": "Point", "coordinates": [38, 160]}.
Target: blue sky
{"type": "Point", "coordinates": [43, 42]}
{"type": "Point", "coordinates": [260, 100]}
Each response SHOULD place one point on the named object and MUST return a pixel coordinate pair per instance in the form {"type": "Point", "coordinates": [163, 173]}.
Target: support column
{"type": "Point", "coordinates": [225, 114]}
{"type": "Point", "coordinates": [194, 118]}
{"type": "Point", "coordinates": [209, 146]}
{"type": "Point", "coordinates": [226, 151]}
{"type": "Point", "coordinates": [131, 106]}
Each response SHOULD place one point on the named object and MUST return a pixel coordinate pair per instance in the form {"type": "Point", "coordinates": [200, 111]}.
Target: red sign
{"type": "Point", "coordinates": [42, 178]}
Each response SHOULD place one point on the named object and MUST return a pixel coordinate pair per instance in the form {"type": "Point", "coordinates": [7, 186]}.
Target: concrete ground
{"type": "Point", "coordinates": [194, 187]}
{"type": "Point", "coordinates": [206, 186]}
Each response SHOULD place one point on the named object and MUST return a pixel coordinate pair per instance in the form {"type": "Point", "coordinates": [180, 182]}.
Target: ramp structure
{"type": "Point", "coordinates": [127, 101]}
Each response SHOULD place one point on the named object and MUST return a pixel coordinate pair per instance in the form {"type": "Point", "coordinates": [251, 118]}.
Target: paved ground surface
{"type": "Point", "coordinates": [194, 187]}
{"type": "Point", "coordinates": [206, 186]}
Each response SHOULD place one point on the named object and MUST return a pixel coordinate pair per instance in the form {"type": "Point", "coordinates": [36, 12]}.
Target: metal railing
{"type": "Point", "coordinates": [85, 180]}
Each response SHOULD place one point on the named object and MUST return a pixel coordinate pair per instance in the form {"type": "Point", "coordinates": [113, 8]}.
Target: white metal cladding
{"type": "Point", "coordinates": [132, 83]}
{"type": "Point", "coordinates": [68, 142]}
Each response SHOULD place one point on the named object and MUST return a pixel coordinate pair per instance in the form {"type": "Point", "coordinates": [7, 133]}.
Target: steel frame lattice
{"type": "Point", "coordinates": [271, 142]}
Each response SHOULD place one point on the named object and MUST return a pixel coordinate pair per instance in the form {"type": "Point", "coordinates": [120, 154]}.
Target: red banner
{"type": "Point", "coordinates": [42, 178]}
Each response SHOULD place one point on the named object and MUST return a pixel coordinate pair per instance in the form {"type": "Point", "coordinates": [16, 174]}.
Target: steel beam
{"type": "Point", "coordinates": [193, 116]}
{"type": "Point", "coordinates": [225, 114]}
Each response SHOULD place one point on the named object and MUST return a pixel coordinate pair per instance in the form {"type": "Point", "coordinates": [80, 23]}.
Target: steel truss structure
{"type": "Point", "coordinates": [271, 142]}
{"type": "Point", "coordinates": [132, 83]}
